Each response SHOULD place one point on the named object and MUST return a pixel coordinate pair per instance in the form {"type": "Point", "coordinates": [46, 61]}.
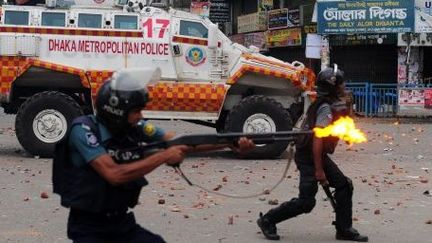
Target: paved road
{"type": "Point", "coordinates": [391, 173]}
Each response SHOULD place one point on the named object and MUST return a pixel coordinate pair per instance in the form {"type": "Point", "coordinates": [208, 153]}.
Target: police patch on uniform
{"type": "Point", "coordinates": [91, 139]}
{"type": "Point", "coordinates": [149, 129]}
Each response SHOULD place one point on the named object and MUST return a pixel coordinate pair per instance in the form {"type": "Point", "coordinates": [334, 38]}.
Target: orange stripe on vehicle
{"type": "Point", "coordinates": [97, 78]}
{"type": "Point", "coordinates": [177, 96]}
{"type": "Point", "coordinates": [293, 77]}
{"type": "Point", "coordinates": [53, 31]}
{"type": "Point", "coordinates": [61, 68]}
{"type": "Point", "coordinates": [311, 78]}
{"type": "Point", "coordinates": [248, 56]}
{"type": "Point", "coordinates": [193, 41]}
{"type": "Point", "coordinates": [7, 76]}
{"type": "Point", "coordinates": [306, 74]}
{"type": "Point", "coordinates": [10, 69]}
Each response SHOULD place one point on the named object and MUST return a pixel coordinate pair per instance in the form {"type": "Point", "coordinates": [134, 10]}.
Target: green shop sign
{"type": "Point", "coordinates": [353, 17]}
{"type": "Point", "coordinates": [363, 39]}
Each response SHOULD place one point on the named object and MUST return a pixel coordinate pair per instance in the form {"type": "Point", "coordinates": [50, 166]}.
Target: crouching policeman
{"type": "Point", "coordinates": [95, 175]}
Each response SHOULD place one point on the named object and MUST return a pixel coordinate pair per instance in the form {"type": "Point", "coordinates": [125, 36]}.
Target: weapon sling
{"type": "Point", "coordinates": [291, 152]}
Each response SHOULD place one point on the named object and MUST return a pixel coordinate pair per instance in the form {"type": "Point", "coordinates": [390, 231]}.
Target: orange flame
{"type": "Point", "coordinates": [344, 129]}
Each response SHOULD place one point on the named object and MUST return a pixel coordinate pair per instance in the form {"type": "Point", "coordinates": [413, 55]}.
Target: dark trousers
{"type": "Point", "coordinates": [109, 227]}
{"type": "Point", "coordinates": [308, 187]}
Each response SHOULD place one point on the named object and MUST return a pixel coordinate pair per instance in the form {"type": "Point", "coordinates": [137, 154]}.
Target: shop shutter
{"type": "Point", "coordinates": [371, 63]}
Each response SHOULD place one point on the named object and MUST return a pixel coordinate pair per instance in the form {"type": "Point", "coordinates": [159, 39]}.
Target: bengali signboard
{"type": "Point", "coordinates": [363, 39]}
{"type": "Point", "coordinates": [258, 39]}
{"type": "Point", "coordinates": [278, 18]}
{"type": "Point", "coordinates": [201, 8]}
{"type": "Point", "coordinates": [388, 16]}
{"type": "Point", "coordinates": [310, 29]}
{"type": "Point", "coordinates": [415, 101]}
{"type": "Point", "coordinates": [252, 22]}
{"type": "Point", "coordinates": [238, 38]}
{"type": "Point", "coordinates": [220, 11]}
{"type": "Point", "coordinates": [428, 99]}
{"type": "Point", "coordinates": [294, 17]}
{"type": "Point", "coordinates": [423, 16]}
{"type": "Point", "coordinates": [284, 37]}
{"type": "Point", "coordinates": [265, 5]}
{"type": "Point", "coordinates": [283, 18]}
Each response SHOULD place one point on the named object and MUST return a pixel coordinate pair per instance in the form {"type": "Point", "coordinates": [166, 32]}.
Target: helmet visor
{"type": "Point", "coordinates": [134, 79]}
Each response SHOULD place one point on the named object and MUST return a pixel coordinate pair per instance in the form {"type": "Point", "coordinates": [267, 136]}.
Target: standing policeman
{"type": "Point", "coordinates": [94, 173]}
{"type": "Point", "coordinates": [315, 165]}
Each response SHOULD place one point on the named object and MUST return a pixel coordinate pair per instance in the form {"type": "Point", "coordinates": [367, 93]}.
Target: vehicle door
{"type": "Point", "coordinates": [191, 54]}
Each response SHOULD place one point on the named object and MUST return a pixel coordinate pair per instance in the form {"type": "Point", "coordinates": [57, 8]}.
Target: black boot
{"type": "Point", "coordinates": [351, 234]}
{"type": "Point", "coordinates": [268, 228]}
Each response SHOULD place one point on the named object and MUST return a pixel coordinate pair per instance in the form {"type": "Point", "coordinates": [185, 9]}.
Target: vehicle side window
{"type": "Point", "coordinates": [126, 22]}
{"type": "Point", "coordinates": [16, 17]}
{"type": "Point", "coordinates": [194, 29]}
{"type": "Point", "coordinates": [54, 19]}
{"type": "Point", "coordinates": [89, 20]}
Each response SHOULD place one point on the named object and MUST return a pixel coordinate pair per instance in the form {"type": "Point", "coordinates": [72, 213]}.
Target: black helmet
{"type": "Point", "coordinates": [328, 80]}
{"type": "Point", "coordinates": [124, 91]}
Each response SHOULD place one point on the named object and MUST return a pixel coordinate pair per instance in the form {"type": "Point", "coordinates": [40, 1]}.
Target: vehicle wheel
{"type": "Point", "coordinates": [296, 111]}
{"type": "Point", "coordinates": [260, 114]}
{"type": "Point", "coordinates": [220, 123]}
{"type": "Point", "coordinates": [43, 119]}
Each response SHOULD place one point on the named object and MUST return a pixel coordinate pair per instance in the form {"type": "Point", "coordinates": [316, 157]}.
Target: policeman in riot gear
{"type": "Point", "coordinates": [316, 166]}
{"type": "Point", "coordinates": [95, 174]}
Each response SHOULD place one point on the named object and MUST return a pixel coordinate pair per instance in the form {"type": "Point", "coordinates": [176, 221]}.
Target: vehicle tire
{"type": "Point", "coordinates": [220, 123]}
{"type": "Point", "coordinates": [296, 111]}
{"type": "Point", "coordinates": [43, 119]}
{"type": "Point", "coordinates": [260, 114]}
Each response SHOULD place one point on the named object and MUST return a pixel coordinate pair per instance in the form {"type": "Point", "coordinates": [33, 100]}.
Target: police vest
{"type": "Point", "coordinates": [304, 143]}
{"type": "Point", "coordinates": [83, 188]}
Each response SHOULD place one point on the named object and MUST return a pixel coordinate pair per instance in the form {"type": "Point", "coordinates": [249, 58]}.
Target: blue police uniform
{"type": "Point", "coordinates": [85, 145]}
{"type": "Point", "coordinates": [98, 210]}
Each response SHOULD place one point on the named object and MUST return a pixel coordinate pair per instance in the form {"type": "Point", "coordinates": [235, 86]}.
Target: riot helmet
{"type": "Point", "coordinates": [328, 81]}
{"type": "Point", "coordinates": [125, 91]}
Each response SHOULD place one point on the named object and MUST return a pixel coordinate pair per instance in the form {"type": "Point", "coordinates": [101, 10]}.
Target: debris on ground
{"type": "Point", "coordinates": [273, 202]}
{"type": "Point", "coordinates": [44, 195]}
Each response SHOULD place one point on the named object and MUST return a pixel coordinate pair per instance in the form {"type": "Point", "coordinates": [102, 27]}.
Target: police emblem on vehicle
{"type": "Point", "coordinates": [195, 56]}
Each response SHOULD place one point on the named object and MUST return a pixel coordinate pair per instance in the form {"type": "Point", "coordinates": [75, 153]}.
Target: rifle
{"type": "Point", "coordinates": [218, 138]}
{"type": "Point", "coordinates": [224, 138]}
{"type": "Point", "coordinates": [327, 191]}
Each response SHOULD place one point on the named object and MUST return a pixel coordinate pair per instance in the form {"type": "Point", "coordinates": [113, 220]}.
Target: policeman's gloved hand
{"type": "Point", "coordinates": [174, 155]}
{"type": "Point", "coordinates": [243, 146]}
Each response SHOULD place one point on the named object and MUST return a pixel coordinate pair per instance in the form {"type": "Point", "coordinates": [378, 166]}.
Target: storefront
{"type": "Point", "coordinates": [415, 74]}
{"type": "Point", "coordinates": [280, 23]}
{"type": "Point", "coordinates": [366, 57]}
{"type": "Point", "coordinates": [363, 41]}
{"type": "Point", "coordinates": [415, 64]}
{"type": "Point", "coordinates": [363, 38]}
